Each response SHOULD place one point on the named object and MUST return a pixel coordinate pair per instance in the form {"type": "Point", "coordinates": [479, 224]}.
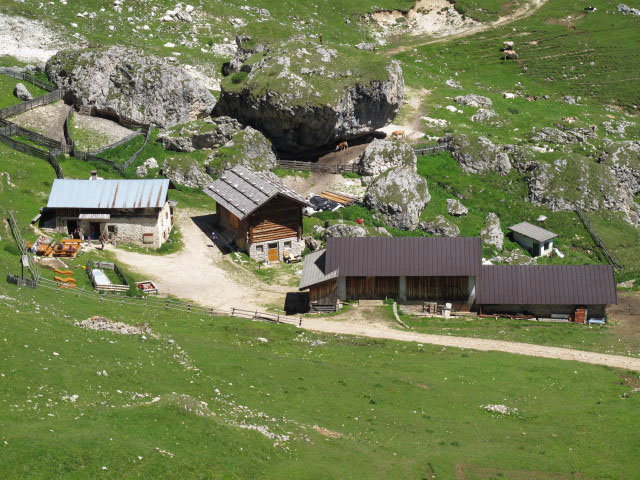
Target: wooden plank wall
{"type": "Point", "coordinates": [437, 288]}
{"type": "Point", "coordinates": [324, 294]}
{"type": "Point", "coordinates": [372, 288]}
{"type": "Point", "coordinates": [278, 218]}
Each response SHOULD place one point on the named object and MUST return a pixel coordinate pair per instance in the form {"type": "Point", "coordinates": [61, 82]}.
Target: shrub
{"type": "Point", "coordinates": [239, 77]}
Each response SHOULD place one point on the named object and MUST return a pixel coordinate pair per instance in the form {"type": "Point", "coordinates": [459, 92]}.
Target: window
{"type": "Point", "coordinates": [287, 244]}
{"type": "Point", "coordinates": [112, 229]}
{"type": "Point", "coordinates": [259, 249]}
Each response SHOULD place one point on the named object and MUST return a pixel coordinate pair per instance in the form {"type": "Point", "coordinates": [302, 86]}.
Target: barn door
{"type": "Point", "coordinates": [272, 251]}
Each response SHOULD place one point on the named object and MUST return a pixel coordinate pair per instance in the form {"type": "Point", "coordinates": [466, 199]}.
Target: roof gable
{"type": "Point", "coordinates": [108, 194]}
{"type": "Point", "coordinates": [404, 256]}
{"type": "Point", "coordinates": [532, 231]}
{"type": "Point", "coordinates": [243, 191]}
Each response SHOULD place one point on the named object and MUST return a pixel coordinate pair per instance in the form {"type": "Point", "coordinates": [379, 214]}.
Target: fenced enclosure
{"type": "Point", "coordinates": [430, 150]}
{"type": "Point", "coordinates": [123, 286]}
{"type": "Point", "coordinates": [316, 167]}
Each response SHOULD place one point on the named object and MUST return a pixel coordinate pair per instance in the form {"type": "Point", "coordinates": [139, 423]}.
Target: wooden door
{"type": "Point", "coordinates": [272, 252]}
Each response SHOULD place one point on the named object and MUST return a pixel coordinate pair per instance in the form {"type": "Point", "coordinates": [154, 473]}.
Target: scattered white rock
{"type": "Point", "coordinates": [502, 409]}
{"type": "Point", "coordinates": [106, 325]}
{"type": "Point", "coordinates": [436, 122]}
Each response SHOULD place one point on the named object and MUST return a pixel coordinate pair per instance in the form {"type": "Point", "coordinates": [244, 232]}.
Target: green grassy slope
{"type": "Point", "coordinates": [398, 407]}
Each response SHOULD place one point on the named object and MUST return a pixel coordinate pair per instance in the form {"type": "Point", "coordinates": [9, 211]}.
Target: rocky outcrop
{"type": "Point", "coordinates": [247, 147]}
{"type": "Point", "coordinates": [491, 233]}
{"type": "Point", "coordinates": [455, 208]}
{"type": "Point", "coordinates": [562, 136]}
{"type": "Point", "coordinates": [483, 115]}
{"type": "Point", "coordinates": [119, 81]}
{"type": "Point", "coordinates": [381, 155]}
{"type": "Point", "coordinates": [21, 92]}
{"type": "Point", "coordinates": [440, 227]}
{"type": "Point", "coordinates": [186, 172]}
{"type": "Point", "coordinates": [199, 134]}
{"type": "Point", "coordinates": [312, 244]}
{"type": "Point", "coordinates": [304, 95]}
{"type": "Point", "coordinates": [624, 161]}
{"type": "Point", "coordinates": [478, 155]}
{"type": "Point", "coordinates": [342, 230]}
{"type": "Point", "coordinates": [473, 100]}
{"type": "Point", "coordinates": [399, 195]}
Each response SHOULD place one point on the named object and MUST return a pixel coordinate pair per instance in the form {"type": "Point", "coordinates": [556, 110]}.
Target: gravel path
{"type": "Point", "coordinates": [47, 120]}
{"type": "Point", "coordinates": [346, 328]}
{"type": "Point", "coordinates": [106, 131]}
{"type": "Point", "coordinates": [197, 272]}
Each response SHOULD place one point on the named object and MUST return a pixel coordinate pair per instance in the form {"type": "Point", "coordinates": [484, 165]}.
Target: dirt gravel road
{"type": "Point", "coordinates": [197, 271]}
{"type": "Point", "coordinates": [345, 328]}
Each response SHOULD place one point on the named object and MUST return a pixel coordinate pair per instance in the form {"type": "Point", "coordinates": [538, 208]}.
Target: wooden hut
{"type": "Point", "coordinates": [258, 213]}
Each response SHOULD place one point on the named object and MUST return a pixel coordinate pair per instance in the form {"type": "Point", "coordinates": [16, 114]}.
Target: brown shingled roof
{"type": "Point", "coordinates": [404, 256]}
{"type": "Point", "coordinates": [546, 285]}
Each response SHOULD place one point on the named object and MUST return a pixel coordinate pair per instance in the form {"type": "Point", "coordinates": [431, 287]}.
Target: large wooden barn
{"type": "Point", "coordinates": [405, 269]}
{"type": "Point", "coordinates": [450, 270]}
{"type": "Point", "coordinates": [258, 213]}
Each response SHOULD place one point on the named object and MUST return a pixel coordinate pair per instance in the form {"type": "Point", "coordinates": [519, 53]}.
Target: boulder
{"type": "Point", "coordinates": [455, 208]}
{"type": "Point", "coordinates": [247, 147]}
{"type": "Point", "coordinates": [440, 227]}
{"type": "Point", "coordinates": [199, 134]}
{"type": "Point", "coordinates": [477, 155]}
{"type": "Point", "coordinates": [312, 244]}
{"type": "Point", "coordinates": [453, 83]}
{"type": "Point", "coordinates": [21, 92]}
{"type": "Point", "coordinates": [491, 233]}
{"type": "Point", "coordinates": [151, 163]}
{"type": "Point", "coordinates": [483, 115]}
{"type": "Point", "coordinates": [142, 171]}
{"type": "Point", "coordinates": [120, 81]}
{"type": "Point", "coordinates": [383, 232]}
{"type": "Point", "coordinates": [186, 172]}
{"type": "Point", "coordinates": [473, 100]}
{"type": "Point", "coordinates": [381, 155]}
{"type": "Point", "coordinates": [342, 230]}
{"type": "Point", "coordinates": [399, 195]}
{"type": "Point", "coordinates": [305, 96]}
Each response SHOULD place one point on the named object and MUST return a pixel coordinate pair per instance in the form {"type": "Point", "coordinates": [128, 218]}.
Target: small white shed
{"type": "Point", "coordinates": [537, 241]}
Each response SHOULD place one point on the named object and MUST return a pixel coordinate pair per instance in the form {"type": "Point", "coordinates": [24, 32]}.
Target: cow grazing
{"type": "Point", "coordinates": [398, 134]}
{"type": "Point", "coordinates": [508, 46]}
{"type": "Point", "coordinates": [569, 119]}
{"type": "Point", "coordinates": [342, 146]}
{"type": "Point", "coordinates": [510, 55]}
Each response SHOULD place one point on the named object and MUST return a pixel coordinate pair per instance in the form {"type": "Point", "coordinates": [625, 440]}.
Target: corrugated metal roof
{"type": "Point", "coordinates": [108, 194]}
{"type": "Point", "coordinates": [404, 256]}
{"type": "Point", "coordinates": [532, 231]}
{"type": "Point", "coordinates": [546, 285]}
{"type": "Point", "coordinates": [242, 191]}
{"type": "Point", "coordinates": [313, 270]}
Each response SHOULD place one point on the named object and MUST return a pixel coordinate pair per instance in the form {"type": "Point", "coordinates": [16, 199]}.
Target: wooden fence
{"type": "Point", "coordinates": [122, 141]}
{"type": "Point", "coordinates": [10, 72]}
{"type": "Point", "coordinates": [596, 238]}
{"type": "Point", "coordinates": [53, 160]}
{"type": "Point", "coordinates": [45, 99]}
{"type": "Point", "coordinates": [23, 147]}
{"type": "Point", "coordinates": [128, 163]}
{"type": "Point", "coordinates": [11, 129]}
{"type": "Point", "coordinates": [430, 150]}
{"type": "Point", "coordinates": [33, 268]}
{"type": "Point", "coordinates": [118, 288]}
{"type": "Point", "coordinates": [315, 167]}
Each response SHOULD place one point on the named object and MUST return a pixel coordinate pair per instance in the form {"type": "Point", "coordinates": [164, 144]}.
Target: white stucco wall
{"type": "Point", "coordinates": [527, 244]}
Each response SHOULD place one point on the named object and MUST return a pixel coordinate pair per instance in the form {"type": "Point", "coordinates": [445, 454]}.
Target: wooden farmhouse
{"type": "Point", "coordinates": [537, 241]}
{"type": "Point", "coordinates": [258, 213]}
{"type": "Point", "coordinates": [130, 211]}
{"type": "Point", "coordinates": [450, 270]}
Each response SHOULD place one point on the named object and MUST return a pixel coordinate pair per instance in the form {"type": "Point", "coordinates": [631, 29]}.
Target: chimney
{"type": "Point", "coordinates": [94, 175]}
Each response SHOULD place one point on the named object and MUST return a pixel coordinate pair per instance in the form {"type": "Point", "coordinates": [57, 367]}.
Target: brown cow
{"type": "Point", "coordinates": [398, 134]}
{"type": "Point", "coordinates": [342, 146]}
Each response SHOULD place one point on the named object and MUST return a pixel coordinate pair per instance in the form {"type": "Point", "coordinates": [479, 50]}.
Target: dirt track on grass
{"type": "Point", "coordinates": [377, 331]}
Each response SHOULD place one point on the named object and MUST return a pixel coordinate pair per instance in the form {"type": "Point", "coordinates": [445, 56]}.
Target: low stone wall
{"type": "Point", "coordinates": [543, 311]}
{"type": "Point", "coordinates": [260, 251]}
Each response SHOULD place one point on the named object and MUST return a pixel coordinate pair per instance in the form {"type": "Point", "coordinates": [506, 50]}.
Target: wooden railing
{"type": "Point", "coordinates": [45, 99]}
{"type": "Point", "coordinates": [10, 72]}
{"type": "Point", "coordinates": [596, 238]}
{"type": "Point", "coordinates": [315, 167]}
{"type": "Point", "coordinates": [430, 150]}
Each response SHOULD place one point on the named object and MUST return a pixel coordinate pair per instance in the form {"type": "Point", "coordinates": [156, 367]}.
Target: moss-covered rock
{"type": "Point", "coordinates": [305, 95]}
{"type": "Point", "coordinates": [399, 195]}
{"type": "Point", "coordinates": [247, 147]}
{"type": "Point", "coordinates": [478, 154]}
{"type": "Point", "coordinates": [120, 81]}
{"type": "Point", "coordinates": [199, 134]}
{"type": "Point", "coordinates": [186, 172]}
{"type": "Point", "coordinates": [381, 155]}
